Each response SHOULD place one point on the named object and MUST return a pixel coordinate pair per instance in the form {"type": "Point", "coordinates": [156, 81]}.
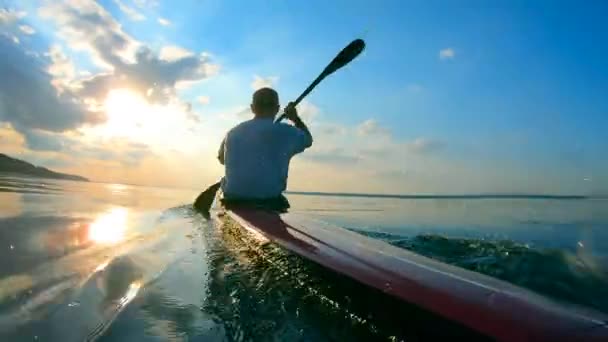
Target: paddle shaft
{"type": "Point", "coordinates": [306, 92]}
{"type": "Point", "coordinates": [344, 57]}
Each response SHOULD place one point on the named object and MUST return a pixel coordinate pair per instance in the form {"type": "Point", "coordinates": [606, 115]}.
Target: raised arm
{"type": "Point", "coordinates": [220, 153]}
{"type": "Point", "coordinates": [292, 114]}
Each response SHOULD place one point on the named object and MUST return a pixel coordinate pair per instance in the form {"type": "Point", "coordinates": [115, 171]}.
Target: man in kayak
{"type": "Point", "coordinates": [256, 153]}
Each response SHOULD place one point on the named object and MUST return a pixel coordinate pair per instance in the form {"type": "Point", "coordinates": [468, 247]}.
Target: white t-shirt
{"type": "Point", "coordinates": [256, 158]}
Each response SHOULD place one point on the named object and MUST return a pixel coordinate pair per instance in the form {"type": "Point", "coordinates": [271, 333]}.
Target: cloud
{"type": "Point", "coordinates": [191, 115]}
{"type": "Point", "coordinates": [240, 113]}
{"type": "Point", "coordinates": [119, 151]}
{"type": "Point", "coordinates": [203, 100]}
{"type": "Point", "coordinates": [378, 151]}
{"type": "Point", "coordinates": [128, 63]}
{"type": "Point", "coordinates": [371, 127]}
{"type": "Point", "coordinates": [27, 29]}
{"type": "Point", "coordinates": [261, 82]}
{"type": "Point", "coordinates": [130, 12]}
{"type": "Point", "coordinates": [424, 146]}
{"type": "Point", "coordinates": [307, 111]}
{"type": "Point", "coordinates": [333, 156]}
{"type": "Point", "coordinates": [29, 101]}
{"type": "Point", "coordinates": [164, 22]}
{"type": "Point", "coordinates": [39, 140]}
{"type": "Point", "coordinates": [61, 68]}
{"type": "Point", "coordinates": [11, 141]}
{"type": "Point", "coordinates": [42, 95]}
{"type": "Point", "coordinates": [332, 130]}
{"type": "Point", "coordinates": [86, 26]}
{"type": "Point", "coordinates": [10, 37]}
{"type": "Point", "coordinates": [150, 76]}
{"type": "Point", "coordinates": [9, 17]}
{"type": "Point", "coordinates": [173, 53]}
{"type": "Point", "coordinates": [447, 53]}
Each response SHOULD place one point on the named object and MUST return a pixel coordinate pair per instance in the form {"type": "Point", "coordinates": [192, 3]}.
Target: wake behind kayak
{"type": "Point", "coordinates": [260, 290]}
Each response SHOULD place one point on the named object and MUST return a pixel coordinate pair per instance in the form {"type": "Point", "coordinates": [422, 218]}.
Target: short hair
{"type": "Point", "coordinates": [265, 98]}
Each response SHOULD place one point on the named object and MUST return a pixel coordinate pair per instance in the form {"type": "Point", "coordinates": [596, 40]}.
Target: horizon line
{"type": "Point", "coordinates": [381, 195]}
{"type": "Point", "coordinates": [448, 196]}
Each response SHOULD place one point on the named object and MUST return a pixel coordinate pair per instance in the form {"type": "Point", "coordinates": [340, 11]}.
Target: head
{"type": "Point", "coordinates": [265, 103]}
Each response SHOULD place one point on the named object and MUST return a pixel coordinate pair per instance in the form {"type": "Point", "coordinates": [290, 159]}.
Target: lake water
{"type": "Point", "coordinates": [118, 262]}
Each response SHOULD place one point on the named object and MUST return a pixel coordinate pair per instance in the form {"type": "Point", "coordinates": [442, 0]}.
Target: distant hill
{"type": "Point", "coordinates": [12, 165]}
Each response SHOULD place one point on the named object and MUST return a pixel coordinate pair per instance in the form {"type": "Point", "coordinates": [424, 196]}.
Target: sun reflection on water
{"type": "Point", "coordinates": [109, 227]}
{"type": "Point", "coordinates": [131, 293]}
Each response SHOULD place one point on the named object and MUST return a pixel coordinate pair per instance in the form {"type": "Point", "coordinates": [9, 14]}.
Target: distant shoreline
{"type": "Point", "coordinates": [461, 196]}
{"type": "Point", "coordinates": [16, 166]}
{"type": "Point", "coordinates": [30, 176]}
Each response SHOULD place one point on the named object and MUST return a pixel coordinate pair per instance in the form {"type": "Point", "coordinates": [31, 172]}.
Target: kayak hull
{"type": "Point", "coordinates": [486, 305]}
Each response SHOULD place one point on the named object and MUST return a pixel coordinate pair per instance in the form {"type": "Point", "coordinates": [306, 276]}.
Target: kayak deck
{"type": "Point", "coordinates": [484, 304]}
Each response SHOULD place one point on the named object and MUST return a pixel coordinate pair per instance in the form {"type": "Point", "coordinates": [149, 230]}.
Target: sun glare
{"type": "Point", "coordinates": [109, 227]}
{"type": "Point", "coordinates": [126, 111]}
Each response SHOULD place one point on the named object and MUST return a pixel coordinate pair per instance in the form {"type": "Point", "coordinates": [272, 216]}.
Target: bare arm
{"type": "Point", "coordinates": [292, 114]}
{"type": "Point", "coordinates": [220, 153]}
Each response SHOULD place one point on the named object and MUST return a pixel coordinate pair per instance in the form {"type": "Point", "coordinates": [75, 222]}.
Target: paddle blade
{"type": "Point", "coordinates": [204, 201]}
{"type": "Point", "coordinates": [350, 52]}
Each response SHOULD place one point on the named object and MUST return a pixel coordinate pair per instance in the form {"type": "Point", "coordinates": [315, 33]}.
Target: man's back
{"type": "Point", "coordinates": [256, 155]}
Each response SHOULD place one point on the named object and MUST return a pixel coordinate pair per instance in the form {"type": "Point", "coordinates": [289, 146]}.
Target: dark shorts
{"type": "Point", "coordinates": [280, 204]}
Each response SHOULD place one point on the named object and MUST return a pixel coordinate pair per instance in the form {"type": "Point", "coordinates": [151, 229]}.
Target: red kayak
{"type": "Point", "coordinates": [486, 305]}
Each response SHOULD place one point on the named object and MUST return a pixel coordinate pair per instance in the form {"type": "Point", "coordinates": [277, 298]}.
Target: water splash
{"type": "Point", "coordinates": [568, 276]}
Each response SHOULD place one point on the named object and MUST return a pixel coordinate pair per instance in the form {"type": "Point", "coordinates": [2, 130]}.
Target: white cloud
{"type": "Point", "coordinates": [164, 22]}
{"type": "Point", "coordinates": [128, 63]}
{"type": "Point", "coordinates": [61, 68]}
{"type": "Point", "coordinates": [234, 114]}
{"type": "Point", "coordinates": [86, 26]}
{"type": "Point", "coordinates": [130, 12]}
{"type": "Point", "coordinates": [28, 98]}
{"type": "Point", "coordinates": [172, 53]}
{"type": "Point", "coordinates": [27, 29]}
{"type": "Point", "coordinates": [307, 111]}
{"type": "Point", "coordinates": [447, 53]}
{"type": "Point", "coordinates": [371, 127]}
{"type": "Point", "coordinates": [12, 37]}
{"type": "Point", "coordinates": [9, 17]}
{"type": "Point", "coordinates": [203, 100]}
{"type": "Point", "coordinates": [45, 97]}
{"type": "Point", "coordinates": [261, 82]}
{"type": "Point", "coordinates": [332, 156]}
{"type": "Point", "coordinates": [332, 129]}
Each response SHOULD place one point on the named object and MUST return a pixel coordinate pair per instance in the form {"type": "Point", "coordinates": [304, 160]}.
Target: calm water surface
{"type": "Point", "coordinates": [115, 262]}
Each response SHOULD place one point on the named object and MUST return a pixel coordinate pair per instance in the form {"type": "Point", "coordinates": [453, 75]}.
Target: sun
{"type": "Point", "coordinates": [126, 112]}
{"type": "Point", "coordinates": [132, 117]}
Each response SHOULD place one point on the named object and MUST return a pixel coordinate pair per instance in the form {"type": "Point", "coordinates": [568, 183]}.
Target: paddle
{"type": "Point", "coordinates": [204, 201]}
{"type": "Point", "coordinates": [350, 52]}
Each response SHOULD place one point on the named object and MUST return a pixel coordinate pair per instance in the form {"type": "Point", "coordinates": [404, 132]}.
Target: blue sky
{"type": "Point", "coordinates": [449, 96]}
